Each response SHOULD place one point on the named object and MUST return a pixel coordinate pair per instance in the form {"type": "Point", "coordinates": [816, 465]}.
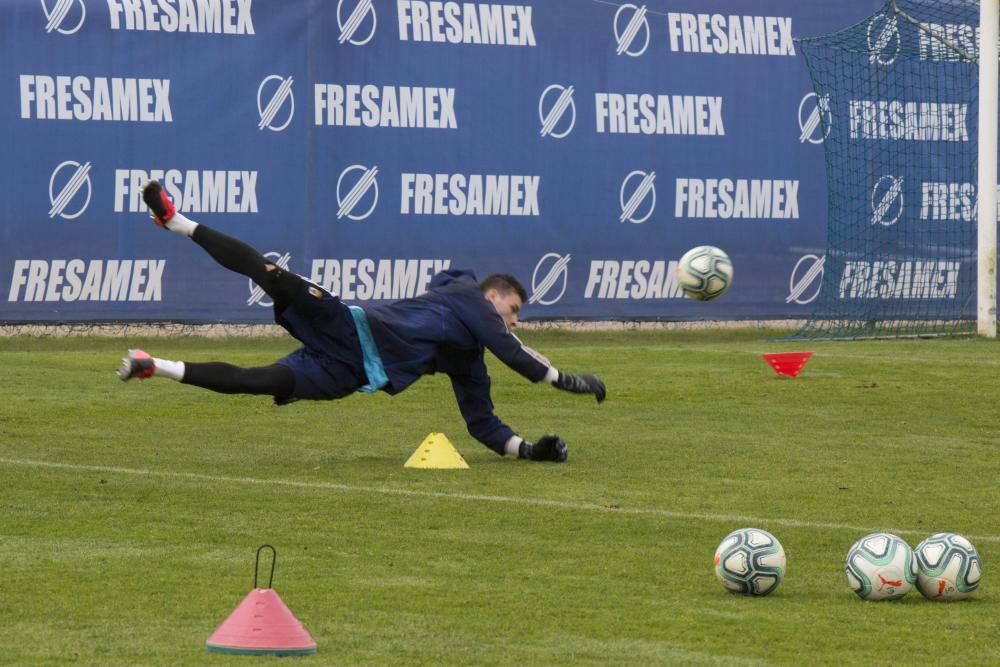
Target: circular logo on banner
{"type": "Point", "coordinates": [357, 191]}
{"type": "Point", "coordinates": [276, 90]}
{"type": "Point", "coordinates": [808, 273]}
{"type": "Point", "coordinates": [626, 38]}
{"type": "Point", "coordinates": [883, 39]}
{"type": "Point", "coordinates": [60, 15]}
{"type": "Point", "coordinates": [257, 294]}
{"type": "Point", "coordinates": [65, 183]}
{"type": "Point", "coordinates": [551, 269]}
{"type": "Point", "coordinates": [644, 189]}
{"type": "Point", "coordinates": [350, 29]}
{"type": "Point", "coordinates": [815, 118]}
{"type": "Point", "coordinates": [553, 105]}
{"type": "Point", "coordinates": [887, 201]}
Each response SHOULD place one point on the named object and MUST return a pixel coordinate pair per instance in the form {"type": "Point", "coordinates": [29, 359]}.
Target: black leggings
{"type": "Point", "coordinates": [280, 285]}
{"type": "Point", "coordinates": [274, 380]}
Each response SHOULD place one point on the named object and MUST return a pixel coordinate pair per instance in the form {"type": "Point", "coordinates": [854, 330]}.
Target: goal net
{"type": "Point", "coordinates": [897, 99]}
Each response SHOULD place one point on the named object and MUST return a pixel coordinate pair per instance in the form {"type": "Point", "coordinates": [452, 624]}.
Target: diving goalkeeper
{"type": "Point", "coordinates": [379, 348]}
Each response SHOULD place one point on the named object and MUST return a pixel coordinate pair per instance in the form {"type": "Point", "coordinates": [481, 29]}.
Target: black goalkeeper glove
{"type": "Point", "coordinates": [582, 383]}
{"type": "Point", "coordinates": [548, 448]}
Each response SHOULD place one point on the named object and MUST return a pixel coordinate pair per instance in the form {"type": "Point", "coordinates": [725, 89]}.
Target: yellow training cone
{"type": "Point", "coordinates": [436, 451]}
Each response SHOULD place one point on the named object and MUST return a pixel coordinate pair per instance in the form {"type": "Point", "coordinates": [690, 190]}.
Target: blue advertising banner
{"type": "Point", "coordinates": [581, 145]}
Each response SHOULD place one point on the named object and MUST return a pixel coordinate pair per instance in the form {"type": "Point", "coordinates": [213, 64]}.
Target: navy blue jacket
{"type": "Point", "coordinates": [446, 330]}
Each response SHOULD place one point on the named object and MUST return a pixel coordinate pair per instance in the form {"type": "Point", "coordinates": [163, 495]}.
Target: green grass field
{"type": "Point", "coordinates": [130, 514]}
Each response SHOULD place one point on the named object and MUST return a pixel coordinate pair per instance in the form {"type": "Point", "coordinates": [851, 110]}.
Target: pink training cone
{"type": "Point", "coordinates": [261, 625]}
{"type": "Point", "coordinates": [787, 363]}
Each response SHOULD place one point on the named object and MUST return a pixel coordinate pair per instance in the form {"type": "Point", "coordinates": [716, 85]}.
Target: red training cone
{"type": "Point", "coordinates": [261, 625]}
{"type": "Point", "coordinates": [787, 363]}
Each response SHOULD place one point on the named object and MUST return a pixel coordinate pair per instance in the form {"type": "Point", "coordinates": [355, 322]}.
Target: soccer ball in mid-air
{"type": "Point", "coordinates": [948, 567]}
{"type": "Point", "coordinates": [704, 273]}
{"type": "Point", "coordinates": [881, 566]}
{"type": "Point", "coordinates": [750, 561]}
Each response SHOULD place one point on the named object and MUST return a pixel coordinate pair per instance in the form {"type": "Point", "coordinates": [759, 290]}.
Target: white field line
{"type": "Point", "coordinates": [532, 502]}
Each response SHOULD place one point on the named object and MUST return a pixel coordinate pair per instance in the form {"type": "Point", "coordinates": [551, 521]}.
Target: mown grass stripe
{"type": "Point", "coordinates": [539, 502]}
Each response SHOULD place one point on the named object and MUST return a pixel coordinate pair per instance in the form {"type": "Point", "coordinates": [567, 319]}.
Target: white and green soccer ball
{"type": "Point", "coordinates": [704, 273]}
{"type": "Point", "coordinates": [948, 567]}
{"type": "Point", "coordinates": [750, 561]}
{"type": "Point", "coordinates": [881, 566]}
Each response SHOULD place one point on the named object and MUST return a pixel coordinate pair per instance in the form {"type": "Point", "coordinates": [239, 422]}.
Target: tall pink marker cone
{"type": "Point", "coordinates": [262, 624]}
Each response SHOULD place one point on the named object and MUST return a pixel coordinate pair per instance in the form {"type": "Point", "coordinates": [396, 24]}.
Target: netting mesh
{"type": "Point", "coordinates": [897, 98]}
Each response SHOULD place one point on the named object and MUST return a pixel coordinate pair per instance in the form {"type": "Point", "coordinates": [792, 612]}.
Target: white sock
{"type": "Point", "coordinates": [169, 369]}
{"type": "Point", "coordinates": [513, 445]}
{"type": "Point", "coordinates": [181, 225]}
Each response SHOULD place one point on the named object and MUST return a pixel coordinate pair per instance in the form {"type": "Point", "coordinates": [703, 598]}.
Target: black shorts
{"type": "Point", "coordinates": [330, 363]}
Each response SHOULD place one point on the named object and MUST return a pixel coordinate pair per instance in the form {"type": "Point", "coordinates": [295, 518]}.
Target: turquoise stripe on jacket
{"type": "Point", "coordinates": [373, 362]}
